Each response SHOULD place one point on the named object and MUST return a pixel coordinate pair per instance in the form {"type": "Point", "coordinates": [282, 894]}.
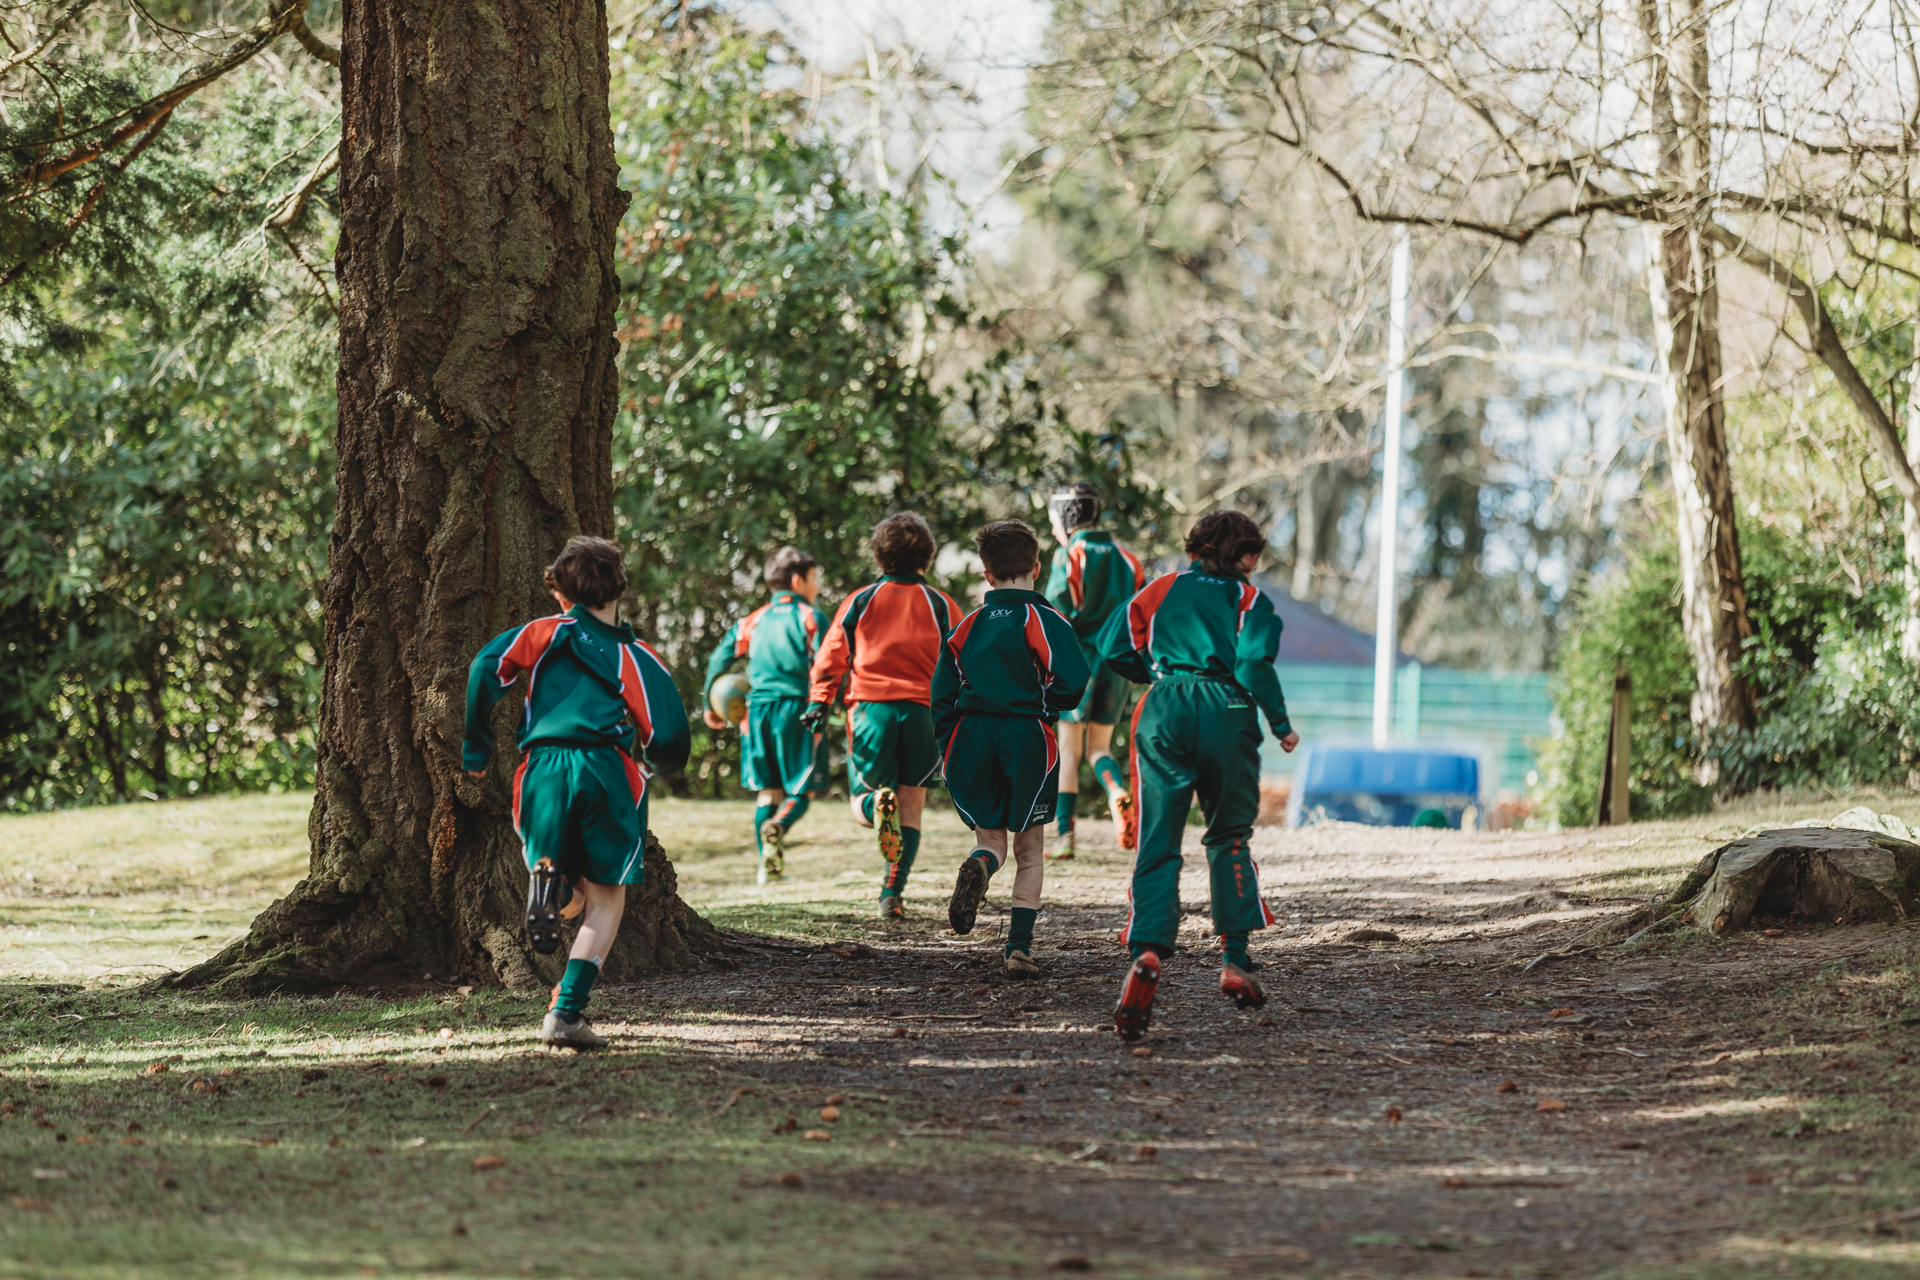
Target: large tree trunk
{"type": "Point", "coordinates": [1685, 289]}
{"type": "Point", "coordinates": [477, 394]}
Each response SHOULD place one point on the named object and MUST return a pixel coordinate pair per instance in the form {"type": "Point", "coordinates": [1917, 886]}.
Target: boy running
{"type": "Point", "coordinates": [1206, 639]}
{"type": "Point", "coordinates": [780, 758]}
{"type": "Point", "coordinates": [579, 800]}
{"type": "Point", "coordinates": [1006, 673]}
{"type": "Point", "coordinates": [887, 637]}
{"type": "Point", "coordinates": [1092, 576]}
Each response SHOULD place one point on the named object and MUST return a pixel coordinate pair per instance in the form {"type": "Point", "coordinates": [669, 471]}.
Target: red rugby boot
{"type": "Point", "coordinates": [1241, 987]}
{"type": "Point", "coordinates": [1131, 1015]}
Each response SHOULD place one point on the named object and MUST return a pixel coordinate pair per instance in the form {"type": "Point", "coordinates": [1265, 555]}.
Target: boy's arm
{"type": "Point", "coordinates": [1253, 662]}
{"type": "Point", "coordinates": [488, 679]}
{"type": "Point", "coordinates": [723, 656]}
{"type": "Point", "coordinates": [831, 664]}
{"type": "Point", "coordinates": [1066, 662]}
{"type": "Point", "coordinates": [661, 730]}
{"type": "Point", "coordinates": [1115, 647]}
{"type": "Point", "coordinates": [946, 695]}
{"type": "Point", "coordinates": [1059, 590]}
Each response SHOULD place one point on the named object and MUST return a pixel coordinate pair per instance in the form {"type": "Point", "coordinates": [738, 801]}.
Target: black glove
{"type": "Point", "coordinates": [815, 716]}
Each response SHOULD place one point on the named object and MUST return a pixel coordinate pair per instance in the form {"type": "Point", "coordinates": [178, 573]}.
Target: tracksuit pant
{"type": "Point", "coordinates": [1193, 735]}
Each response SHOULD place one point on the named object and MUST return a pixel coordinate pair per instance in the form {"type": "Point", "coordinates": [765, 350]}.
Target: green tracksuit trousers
{"type": "Point", "coordinates": [1194, 735]}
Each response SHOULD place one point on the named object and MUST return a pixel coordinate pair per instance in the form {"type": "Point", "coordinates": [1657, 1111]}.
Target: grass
{"type": "Point", "coordinates": [160, 1134]}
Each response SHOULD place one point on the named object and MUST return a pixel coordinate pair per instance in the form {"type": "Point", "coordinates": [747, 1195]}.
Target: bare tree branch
{"type": "Point", "coordinates": [54, 30]}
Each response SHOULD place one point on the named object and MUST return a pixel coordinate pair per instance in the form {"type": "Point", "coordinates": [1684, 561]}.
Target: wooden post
{"type": "Point", "coordinates": [1613, 807]}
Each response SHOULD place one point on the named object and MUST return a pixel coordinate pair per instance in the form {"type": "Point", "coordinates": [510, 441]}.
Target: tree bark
{"type": "Point", "coordinates": [1685, 288]}
{"type": "Point", "coordinates": [477, 394]}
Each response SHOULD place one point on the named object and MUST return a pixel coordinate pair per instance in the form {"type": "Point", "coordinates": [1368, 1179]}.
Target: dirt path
{"type": "Point", "coordinates": [1413, 1106]}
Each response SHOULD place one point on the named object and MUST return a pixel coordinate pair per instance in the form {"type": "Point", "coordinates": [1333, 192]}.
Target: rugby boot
{"type": "Point", "coordinates": [1020, 965]}
{"type": "Point", "coordinates": [1135, 1010]}
{"type": "Point", "coordinates": [547, 895]}
{"type": "Point", "coordinates": [1126, 829]}
{"type": "Point", "coordinates": [578, 1034]}
{"type": "Point", "coordinates": [969, 891]}
{"type": "Point", "coordinates": [773, 850]}
{"type": "Point", "coordinates": [1062, 848]}
{"type": "Point", "coordinates": [890, 908]}
{"type": "Point", "coordinates": [1241, 987]}
{"type": "Point", "coordinates": [886, 823]}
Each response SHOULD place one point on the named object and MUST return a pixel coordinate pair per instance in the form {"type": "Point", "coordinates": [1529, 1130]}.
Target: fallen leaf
{"type": "Point", "coordinates": [1759, 1179]}
{"type": "Point", "coordinates": [27, 1202]}
{"type": "Point", "coordinates": [835, 1099]}
{"type": "Point", "coordinates": [1551, 1104]}
{"type": "Point", "coordinates": [787, 1126]}
{"type": "Point", "coordinates": [1143, 1052]}
{"type": "Point", "coordinates": [446, 1033]}
{"type": "Point", "coordinates": [483, 1163]}
{"type": "Point", "coordinates": [1146, 1151]}
{"type": "Point", "coordinates": [1562, 1012]}
{"type": "Point", "coordinates": [1371, 935]}
{"type": "Point", "coordinates": [156, 1068]}
{"type": "Point", "coordinates": [789, 1179]}
{"type": "Point", "coordinates": [133, 1142]}
{"type": "Point", "coordinates": [816, 1135]}
{"type": "Point", "coordinates": [830, 1114]}
{"type": "Point", "coordinates": [1899, 1057]}
{"type": "Point", "coordinates": [1393, 1115]}
{"type": "Point", "coordinates": [1507, 1086]}
{"type": "Point", "coordinates": [899, 1033]}
{"type": "Point", "coordinates": [1072, 1262]}
{"type": "Point", "coordinates": [1774, 933]}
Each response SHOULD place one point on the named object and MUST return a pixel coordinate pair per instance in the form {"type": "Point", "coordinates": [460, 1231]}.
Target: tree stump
{"type": "Point", "coordinates": [1834, 875]}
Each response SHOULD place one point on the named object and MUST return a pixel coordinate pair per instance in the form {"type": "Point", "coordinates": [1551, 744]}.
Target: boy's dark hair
{"type": "Point", "coordinates": [588, 571]}
{"type": "Point", "coordinates": [1077, 505]}
{"type": "Point", "coordinates": [1220, 538]}
{"type": "Point", "coordinates": [902, 544]}
{"type": "Point", "coordinates": [1008, 549]}
{"type": "Point", "coordinates": [786, 564]}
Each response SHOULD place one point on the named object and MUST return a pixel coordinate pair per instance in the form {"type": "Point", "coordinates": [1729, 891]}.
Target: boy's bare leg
{"type": "Point", "coordinates": [1113, 780]}
{"type": "Point", "coordinates": [854, 802]}
{"type": "Point", "coordinates": [599, 923]}
{"type": "Point", "coordinates": [1072, 739]}
{"type": "Point", "coordinates": [913, 803]}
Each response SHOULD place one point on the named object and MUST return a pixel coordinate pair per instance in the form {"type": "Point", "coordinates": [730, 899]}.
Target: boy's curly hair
{"type": "Point", "coordinates": [902, 544]}
{"type": "Point", "coordinates": [786, 564]}
{"type": "Point", "coordinates": [588, 571]}
{"type": "Point", "coordinates": [1220, 538]}
{"type": "Point", "coordinates": [1008, 549]}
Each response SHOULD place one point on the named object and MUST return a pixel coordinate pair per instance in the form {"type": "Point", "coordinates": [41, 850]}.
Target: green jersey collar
{"type": "Point", "coordinates": [904, 579]}
{"type": "Point", "coordinates": [785, 597]}
{"type": "Point", "coordinates": [1088, 533]}
{"type": "Point", "coordinates": [1009, 596]}
{"type": "Point", "coordinates": [620, 631]}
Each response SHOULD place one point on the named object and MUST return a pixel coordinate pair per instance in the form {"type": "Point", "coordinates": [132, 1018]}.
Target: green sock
{"type": "Point", "coordinates": [1063, 811]}
{"type": "Point", "coordinates": [1111, 775]}
{"type": "Point", "coordinates": [986, 855]}
{"type": "Point", "coordinates": [1020, 931]}
{"type": "Point", "coordinates": [570, 997]}
{"type": "Point", "coordinates": [1233, 947]}
{"type": "Point", "coordinates": [792, 809]}
{"type": "Point", "coordinates": [866, 806]}
{"type": "Point", "coordinates": [896, 881]}
{"type": "Point", "coordinates": [760, 815]}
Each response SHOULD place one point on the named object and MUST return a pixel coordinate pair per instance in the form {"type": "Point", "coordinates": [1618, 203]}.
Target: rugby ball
{"type": "Point", "coordinates": [728, 697]}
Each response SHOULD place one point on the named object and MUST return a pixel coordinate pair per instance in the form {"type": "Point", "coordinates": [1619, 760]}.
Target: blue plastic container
{"type": "Point", "coordinates": [1382, 788]}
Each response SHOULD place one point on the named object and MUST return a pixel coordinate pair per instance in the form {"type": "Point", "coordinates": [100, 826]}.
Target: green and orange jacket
{"type": "Point", "coordinates": [1013, 656]}
{"type": "Point", "coordinates": [779, 641]}
{"type": "Point", "coordinates": [1195, 623]}
{"type": "Point", "coordinates": [588, 685]}
{"type": "Point", "coordinates": [884, 642]}
{"type": "Point", "coordinates": [1091, 576]}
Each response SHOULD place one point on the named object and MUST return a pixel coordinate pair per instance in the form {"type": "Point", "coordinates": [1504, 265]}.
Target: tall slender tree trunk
{"type": "Point", "coordinates": [1910, 517]}
{"type": "Point", "coordinates": [1684, 285]}
{"type": "Point", "coordinates": [477, 394]}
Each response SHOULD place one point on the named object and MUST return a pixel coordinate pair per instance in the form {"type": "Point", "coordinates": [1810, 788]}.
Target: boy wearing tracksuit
{"type": "Point", "coordinates": [1092, 576]}
{"type": "Point", "coordinates": [579, 799]}
{"type": "Point", "coordinates": [883, 645]}
{"type": "Point", "coordinates": [1206, 639]}
{"type": "Point", "coordinates": [1006, 673]}
{"type": "Point", "coordinates": [780, 758]}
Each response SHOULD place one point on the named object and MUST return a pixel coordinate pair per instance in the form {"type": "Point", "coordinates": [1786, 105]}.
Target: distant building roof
{"type": "Point", "coordinates": [1311, 635]}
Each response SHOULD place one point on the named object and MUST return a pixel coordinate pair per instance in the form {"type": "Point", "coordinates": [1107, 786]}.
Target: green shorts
{"type": "Point", "coordinates": [1105, 700]}
{"type": "Point", "coordinates": [777, 752]}
{"type": "Point", "coordinates": [890, 744]}
{"type": "Point", "coordinates": [585, 808]}
{"type": "Point", "coordinates": [1003, 771]}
